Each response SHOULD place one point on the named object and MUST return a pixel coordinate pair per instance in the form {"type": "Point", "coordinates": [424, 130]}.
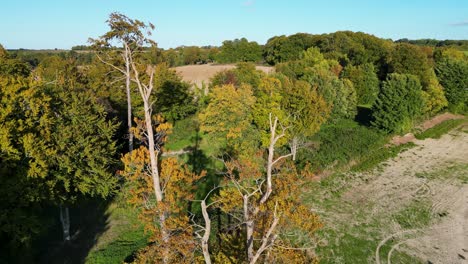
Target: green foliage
{"type": "Point", "coordinates": [174, 100]}
{"type": "Point", "coordinates": [440, 129]}
{"type": "Point", "coordinates": [365, 81]}
{"type": "Point", "coordinates": [239, 50]}
{"type": "Point", "coordinates": [409, 59]}
{"type": "Point", "coordinates": [84, 148]}
{"type": "Point", "coordinates": [355, 48]}
{"type": "Point", "coordinates": [306, 108]}
{"type": "Point", "coordinates": [398, 104]}
{"type": "Point", "coordinates": [338, 144]}
{"type": "Point", "coordinates": [322, 75]}
{"type": "Point", "coordinates": [282, 49]}
{"type": "Point", "coordinates": [227, 120]}
{"type": "Point", "coordinates": [453, 75]}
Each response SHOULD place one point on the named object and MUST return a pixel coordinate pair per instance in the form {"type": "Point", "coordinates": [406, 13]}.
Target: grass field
{"type": "Point", "coordinates": [415, 199]}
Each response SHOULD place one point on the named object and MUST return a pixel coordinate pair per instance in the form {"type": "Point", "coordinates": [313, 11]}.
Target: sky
{"type": "Point", "coordinates": [61, 24]}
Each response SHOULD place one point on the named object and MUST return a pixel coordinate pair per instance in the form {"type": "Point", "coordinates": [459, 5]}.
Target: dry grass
{"type": "Point", "coordinates": [198, 74]}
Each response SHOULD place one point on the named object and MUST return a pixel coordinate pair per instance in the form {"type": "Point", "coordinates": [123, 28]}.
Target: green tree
{"type": "Point", "coordinates": [409, 59]}
{"type": "Point", "coordinates": [286, 48]}
{"type": "Point", "coordinates": [239, 50]}
{"type": "Point", "coordinates": [365, 81]}
{"type": "Point", "coordinates": [453, 75]}
{"type": "Point", "coordinates": [399, 102]}
{"type": "Point", "coordinates": [307, 111]}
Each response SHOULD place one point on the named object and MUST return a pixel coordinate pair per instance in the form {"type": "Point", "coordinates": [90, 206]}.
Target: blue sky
{"type": "Point", "coordinates": [36, 24]}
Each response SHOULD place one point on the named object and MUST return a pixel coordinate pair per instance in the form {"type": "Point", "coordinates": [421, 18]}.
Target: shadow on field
{"type": "Point", "coordinates": [88, 220]}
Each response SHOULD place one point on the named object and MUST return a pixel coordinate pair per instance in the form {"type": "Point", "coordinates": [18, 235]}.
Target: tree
{"type": "Point", "coordinates": [409, 59]}
{"type": "Point", "coordinates": [281, 49]}
{"type": "Point", "coordinates": [130, 34]}
{"type": "Point", "coordinates": [453, 75]}
{"type": "Point", "coordinates": [58, 141]}
{"type": "Point", "coordinates": [259, 197]}
{"type": "Point", "coordinates": [244, 73]}
{"type": "Point", "coordinates": [173, 242]}
{"type": "Point", "coordinates": [227, 120]}
{"type": "Point", "coordinates": [239, 50]}
{"type": "Point", "coordinates": [399, 102]}
{"type": "Point", "coordinates": [307, 110]}
{"type": "Point", "coordinates": [173, 98]}
{"type": "Point", "coordinates": [365, 82]}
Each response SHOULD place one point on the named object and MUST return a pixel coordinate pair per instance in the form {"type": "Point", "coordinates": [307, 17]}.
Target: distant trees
{"type": "Point", "coordinates": [322, 75]}
{"type": "Point", "coordinates": [286, 48]}
{"type": "Point", "coordinates": [239, 50]}
{"type": "Point", "coordinates": [398, 104]}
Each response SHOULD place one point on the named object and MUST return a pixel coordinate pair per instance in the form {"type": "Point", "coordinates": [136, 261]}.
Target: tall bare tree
{"type": "Point", "coordinates": [130, 35]}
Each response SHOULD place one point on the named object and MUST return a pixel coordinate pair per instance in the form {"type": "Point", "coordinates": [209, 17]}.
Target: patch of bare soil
{"type": "Point", "coordinates": [198, 74]}
{"type": "Point", "coordinates": [397, 184]}
{"type": "Point", "coordinates": [438, 119]}
{"type": "Point", "coordinates": [398, 140]}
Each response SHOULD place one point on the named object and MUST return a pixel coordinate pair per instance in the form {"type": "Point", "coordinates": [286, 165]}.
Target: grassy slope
{"type": "Point", "coordinates": [124, 237]}
{"type": "Point", "coordinates": [353, 231]}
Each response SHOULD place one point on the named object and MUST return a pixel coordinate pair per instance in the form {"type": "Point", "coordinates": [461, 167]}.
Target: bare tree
{"type": "Point", "coordinates": [131, 35]}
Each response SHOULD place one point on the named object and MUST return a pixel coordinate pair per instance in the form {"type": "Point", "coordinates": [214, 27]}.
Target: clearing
{"type": "Point", "coordinates": [199, 74]}
{"type": "Point", "coordinates": [410, 209]}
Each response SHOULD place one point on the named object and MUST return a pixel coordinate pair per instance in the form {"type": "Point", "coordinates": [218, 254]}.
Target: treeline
{"type": "Point", "coordinates": [73, 128]}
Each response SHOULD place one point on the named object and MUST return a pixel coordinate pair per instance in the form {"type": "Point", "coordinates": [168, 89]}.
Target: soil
{"type": "Point", "coordinates": [397, 184]}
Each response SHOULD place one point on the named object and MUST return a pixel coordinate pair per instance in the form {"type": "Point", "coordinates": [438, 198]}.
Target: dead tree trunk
{"type": "Point", "coordinates": [206, 234]}
{"type": "Point", "coordinates": [129, 97]}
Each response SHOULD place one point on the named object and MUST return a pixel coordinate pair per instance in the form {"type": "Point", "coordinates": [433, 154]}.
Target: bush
{"type": "Point", "coordinates": [342, 142]}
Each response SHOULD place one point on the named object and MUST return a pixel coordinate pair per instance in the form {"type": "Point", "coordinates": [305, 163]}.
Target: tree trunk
{"type": "Point", "coordinates": [249, 228]}
{"type": "Point", "coordinates": [65, 220]}
{"type": "Point", "coordinates": [294, 144]}
{"type": "Point", "coordinates": [155, 175]}
{"type": "Point", "coordinates": [129, 109]}
{"type": "Point", "coordinates": [153, 154]}
{"type": "Point", "coordinates": [206, 235]}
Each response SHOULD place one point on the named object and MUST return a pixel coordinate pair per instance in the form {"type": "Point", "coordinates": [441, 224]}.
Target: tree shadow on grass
{"type": "Point", "coordinates": [88, 221]}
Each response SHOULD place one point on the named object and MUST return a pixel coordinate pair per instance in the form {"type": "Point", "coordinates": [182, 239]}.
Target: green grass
{"type": "Point", "coordinates": [415, 215]}
{"type": "Point", "coordinates": [376, 156]}
{"type": "Point", "coordinates": [124, 237]}
{"type": "Point", "coordinates": [359, 247]}
{"type": "Point", "coordinates": [440, 129]}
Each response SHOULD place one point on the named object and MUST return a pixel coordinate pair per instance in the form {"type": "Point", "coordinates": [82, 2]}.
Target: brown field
{"type": "Point", "coordinates": [198, 74]}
